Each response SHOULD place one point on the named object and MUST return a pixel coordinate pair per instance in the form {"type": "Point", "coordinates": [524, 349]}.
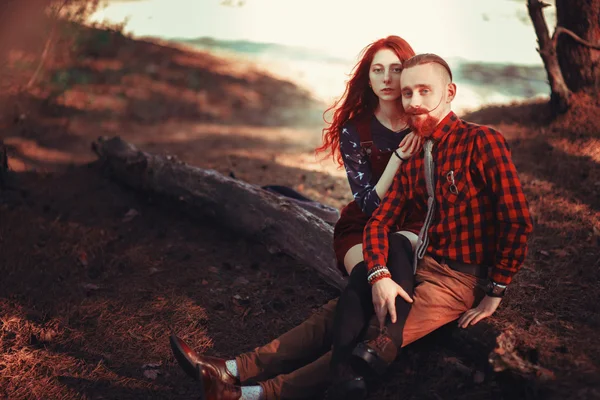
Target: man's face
{"type": "Point", "coordinates": [425, 92]}
{"type": "Point", "coordinates": [384, 75]}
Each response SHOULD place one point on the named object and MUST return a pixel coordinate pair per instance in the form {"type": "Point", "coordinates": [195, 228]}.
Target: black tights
{"type": "Point", "coordinates": [355, 305]}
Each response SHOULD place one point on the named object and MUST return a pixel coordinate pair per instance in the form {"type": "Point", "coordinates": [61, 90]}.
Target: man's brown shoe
{"type": "Point", "coordinates": [377, 354]}
{"type": "Point", "coordinates": [214, 388]}
{"type": "Point", "coordinates": [213, 368]}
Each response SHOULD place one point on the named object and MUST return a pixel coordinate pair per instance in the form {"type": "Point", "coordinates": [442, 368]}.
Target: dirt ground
{"type": "Point", "coordinates": [94, 277]}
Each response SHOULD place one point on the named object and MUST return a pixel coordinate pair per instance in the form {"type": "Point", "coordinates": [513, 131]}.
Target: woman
{"type": "Point", "coordinates": [368, 125]}
{"type": "Point", "coordinates": [370, 137]}
{"type": "Point", "coordinates": [292, 365]}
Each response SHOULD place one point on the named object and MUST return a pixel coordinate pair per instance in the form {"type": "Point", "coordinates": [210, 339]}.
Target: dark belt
{"type": "Point", "coordinates": [480, 271]}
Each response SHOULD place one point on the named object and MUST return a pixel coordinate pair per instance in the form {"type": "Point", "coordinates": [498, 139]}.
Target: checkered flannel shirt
{"type": "Point", "coordinates": [483, 220]}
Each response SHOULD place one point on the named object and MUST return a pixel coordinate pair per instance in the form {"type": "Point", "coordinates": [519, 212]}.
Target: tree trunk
{"type": "Point", "coordinates": [281, 225]}
{"type": "Point", "coordinates": [580, 64]}
{"type": "Point", "coordinates": [559, 95]}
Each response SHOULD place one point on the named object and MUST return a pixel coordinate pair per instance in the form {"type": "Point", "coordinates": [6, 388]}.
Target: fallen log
{"type": "Point", "coordinates": [281, 225]}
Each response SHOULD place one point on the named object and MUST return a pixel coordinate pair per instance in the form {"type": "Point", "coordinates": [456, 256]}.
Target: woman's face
{"type": "Point", "coordinates": [384, 75]}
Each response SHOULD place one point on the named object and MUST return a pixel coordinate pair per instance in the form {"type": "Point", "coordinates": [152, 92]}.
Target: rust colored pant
{"type": "Point", "coordinates": [296, 364]}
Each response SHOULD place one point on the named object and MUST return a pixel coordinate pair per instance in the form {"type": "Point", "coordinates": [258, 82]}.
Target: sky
{"type": "Point", "coordinates": [476, 30]}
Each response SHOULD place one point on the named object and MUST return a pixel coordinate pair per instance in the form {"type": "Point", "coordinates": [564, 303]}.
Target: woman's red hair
{"type": "Point", "coordinates": [358, 98]}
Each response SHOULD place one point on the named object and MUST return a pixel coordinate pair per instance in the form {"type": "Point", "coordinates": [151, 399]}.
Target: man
{"type": "Point", "coordinates": [477, 218]}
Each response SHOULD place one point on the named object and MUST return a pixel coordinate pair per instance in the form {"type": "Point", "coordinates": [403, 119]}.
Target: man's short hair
{"type": "Point", "coordinates": [427, 58]}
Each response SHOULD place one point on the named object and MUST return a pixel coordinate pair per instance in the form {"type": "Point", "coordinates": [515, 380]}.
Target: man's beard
{"type": "Point", "coordinates": [422, 126]}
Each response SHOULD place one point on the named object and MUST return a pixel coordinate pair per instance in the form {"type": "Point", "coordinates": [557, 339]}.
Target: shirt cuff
{"type": "Point", "coordinates": [501, 276]}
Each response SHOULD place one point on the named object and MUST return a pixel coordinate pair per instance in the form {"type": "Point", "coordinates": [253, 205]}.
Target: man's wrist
{"type": "Point", "coordinates": [494, 289]}
{"type": "Point", "coordinates": [378, 273]}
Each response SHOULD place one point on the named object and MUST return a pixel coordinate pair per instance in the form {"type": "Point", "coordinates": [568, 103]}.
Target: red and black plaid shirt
{"type": "Point", "coordinates": [483, 220]}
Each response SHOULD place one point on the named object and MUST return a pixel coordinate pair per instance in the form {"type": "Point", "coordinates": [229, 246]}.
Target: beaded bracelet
{"type": "Point", "coordinates": [377, 273]}
{"type": "Point", "coordinates": [378, 278]}
{"type": "Point", "coordinates": [376, 269]}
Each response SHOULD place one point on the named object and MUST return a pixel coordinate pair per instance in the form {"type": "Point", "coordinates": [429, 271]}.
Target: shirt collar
{"type": "Point", "coordinates": [445, 126]}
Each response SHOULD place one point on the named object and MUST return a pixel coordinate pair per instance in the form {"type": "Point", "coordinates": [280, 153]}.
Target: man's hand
{"type": "Point", "coordinates": [410, 145]}
{"type": "Point", "coordinates": [486, 308]}
{"type": "Point", "coordinates": [384, 299]}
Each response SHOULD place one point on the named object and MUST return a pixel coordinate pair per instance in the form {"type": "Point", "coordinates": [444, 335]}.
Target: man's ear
{"type": "Point", "coordinates": [451, 92]}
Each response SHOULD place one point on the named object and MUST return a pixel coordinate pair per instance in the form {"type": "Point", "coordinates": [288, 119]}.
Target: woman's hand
{"type": "Point", "coordinates": [409, 146]}
{"type": "Point", "coordinates": [384, 299]}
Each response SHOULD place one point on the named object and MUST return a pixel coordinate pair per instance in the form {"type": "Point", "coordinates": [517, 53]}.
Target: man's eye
{"type": "Point", "coordinates": [424, 91]}
{"type": "Point", "coordinates": [407, 94]}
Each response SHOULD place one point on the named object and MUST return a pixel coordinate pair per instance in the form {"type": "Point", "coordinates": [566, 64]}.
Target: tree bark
{"type": "Point", "coordinates": [579, 63]}
{"type": "Point", "coordinates": [247, 209]}
{"type": "Point", "coordinates": [560, 94]}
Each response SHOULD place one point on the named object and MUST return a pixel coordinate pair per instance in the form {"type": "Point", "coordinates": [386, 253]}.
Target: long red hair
{"type": "Point", "coordinates": [358, 98]}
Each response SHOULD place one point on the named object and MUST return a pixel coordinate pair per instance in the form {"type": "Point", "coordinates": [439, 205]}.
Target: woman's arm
{"type": "Point", "coordinates": [407, 148]}
{"type": "Point", "coordinates": [358, 169]}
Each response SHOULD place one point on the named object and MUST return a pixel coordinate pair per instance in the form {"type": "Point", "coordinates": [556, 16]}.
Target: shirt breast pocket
{"type": "Point", "coordinates": [455, 185]}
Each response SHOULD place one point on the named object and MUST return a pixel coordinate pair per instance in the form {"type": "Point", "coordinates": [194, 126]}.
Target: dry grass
{"type": "Point", "coordinates": [90, 299]}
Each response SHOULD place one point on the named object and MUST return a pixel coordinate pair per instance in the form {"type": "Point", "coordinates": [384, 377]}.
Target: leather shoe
{"type": "Point", "coordinates": [376, 355]}
{"type": "Point", "coordinates": [346, 385]}
{"type": "Point", "coordinates": [212, 388]}
{"type": "Point", "coordinates": [212, 369]}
